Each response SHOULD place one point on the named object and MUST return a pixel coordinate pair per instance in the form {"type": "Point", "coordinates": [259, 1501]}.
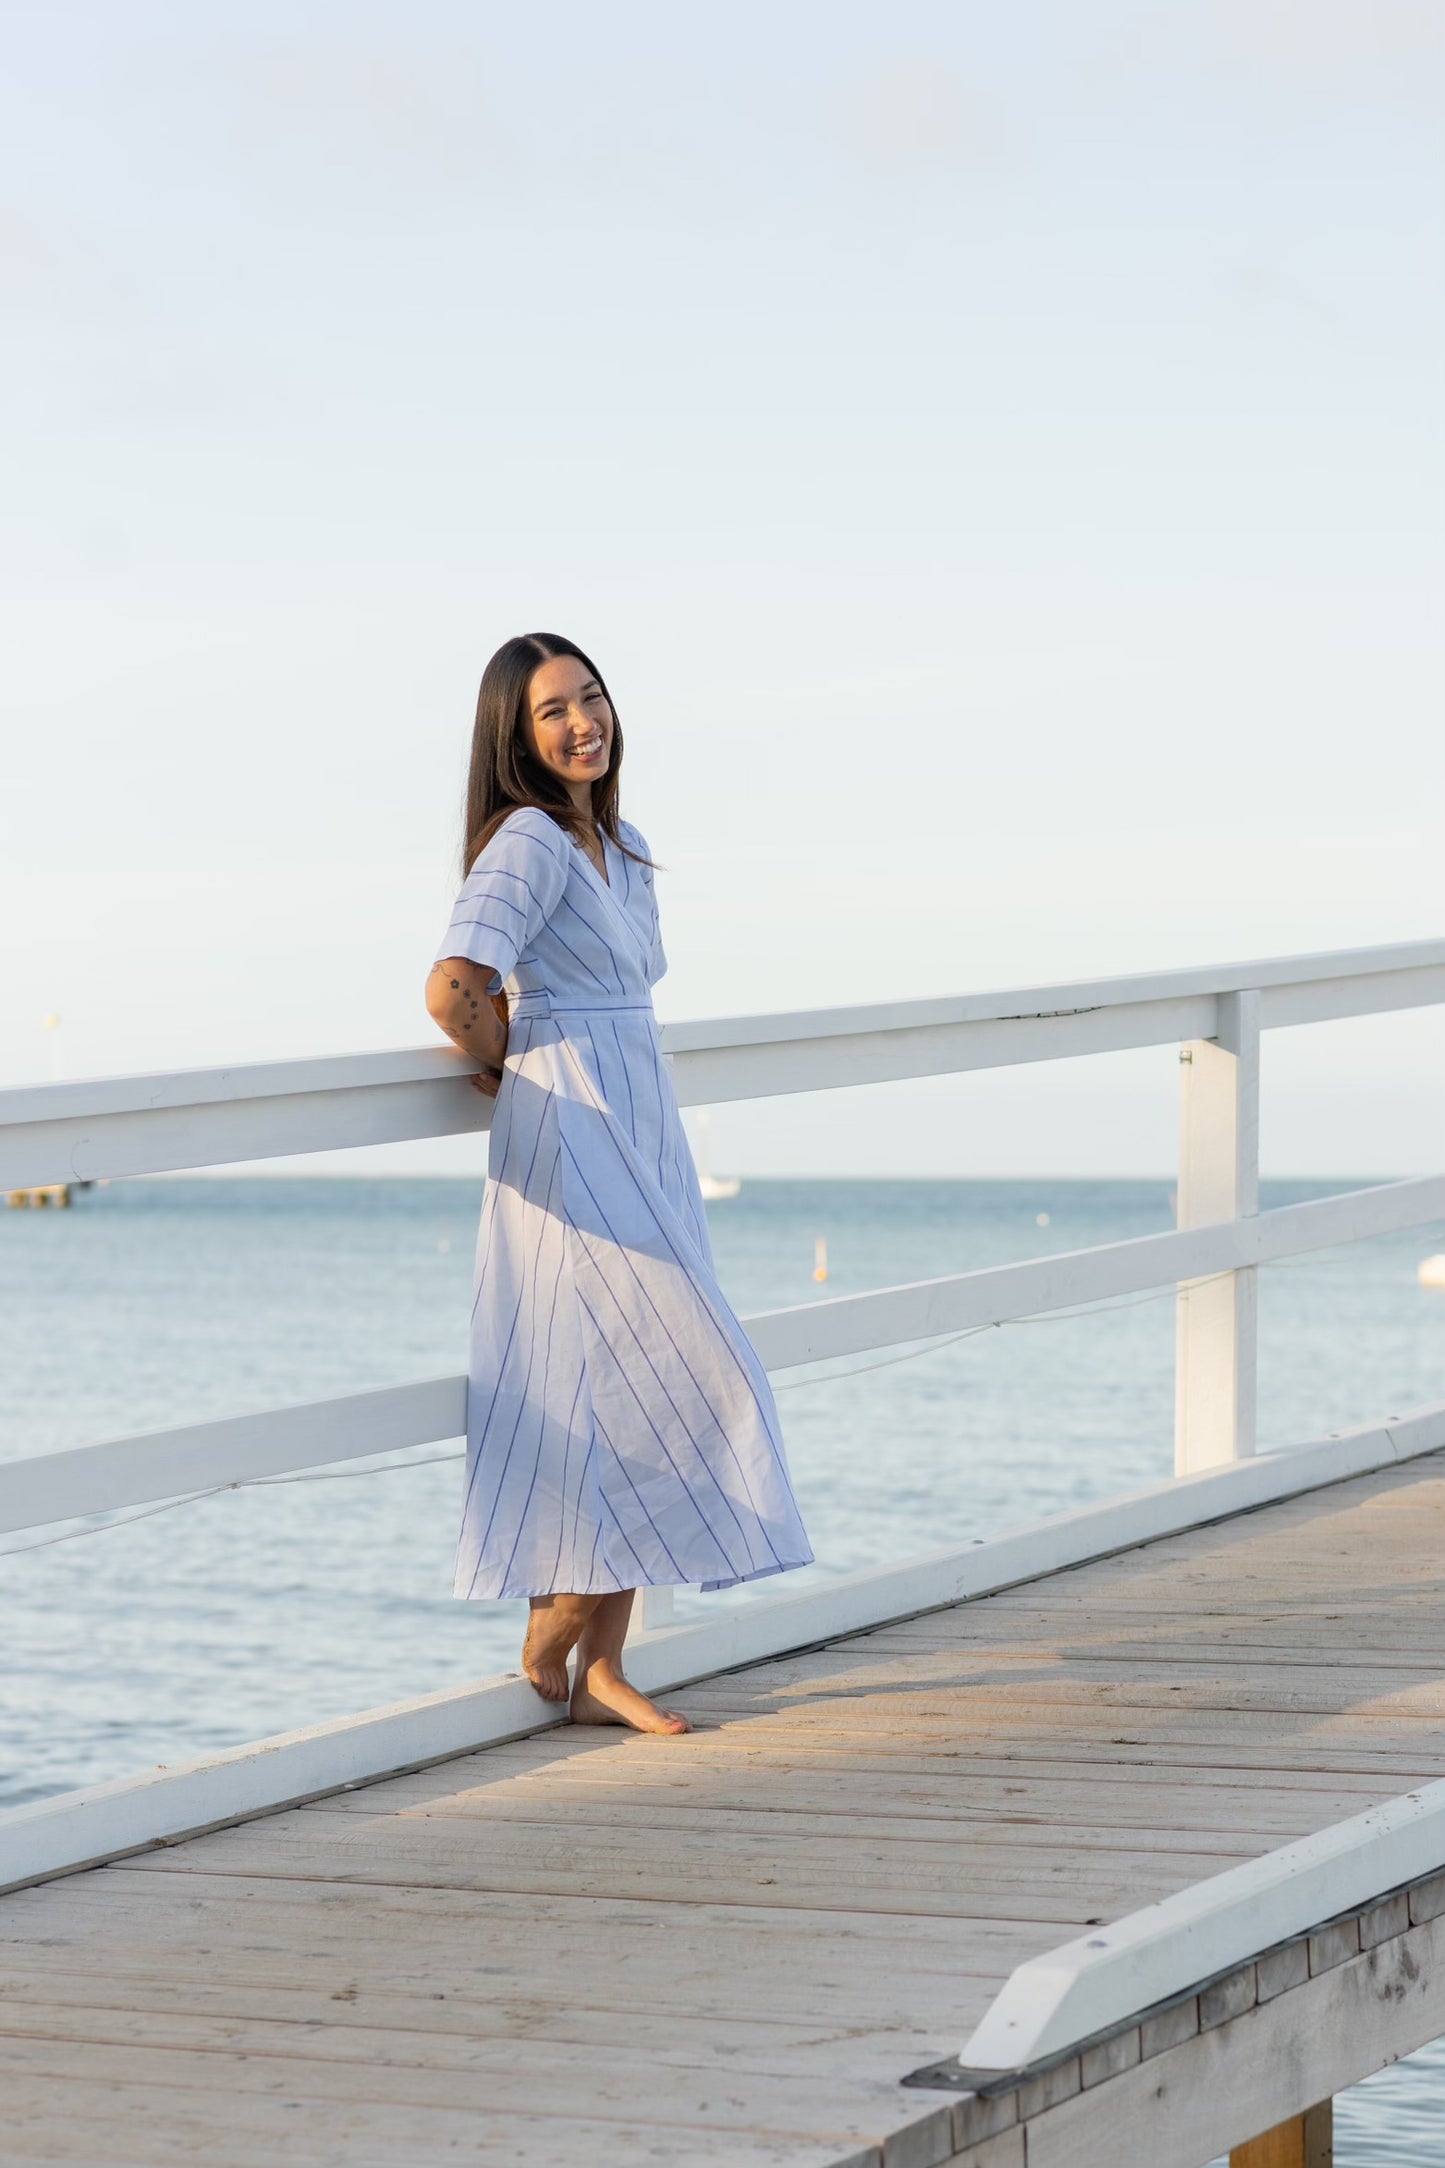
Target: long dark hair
{"type": "Point", "coordinates": [505, 774]}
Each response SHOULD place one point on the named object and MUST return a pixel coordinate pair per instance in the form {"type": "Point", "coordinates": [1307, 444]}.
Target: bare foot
{"type": "Point", "coordinates": [552, 1633]}
{"type": "Point", "coordinates": [603, 1696]}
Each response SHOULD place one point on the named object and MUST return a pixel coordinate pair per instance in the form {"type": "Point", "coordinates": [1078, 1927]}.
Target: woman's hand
{"type": "Point", "coordinates": [488, 1081]}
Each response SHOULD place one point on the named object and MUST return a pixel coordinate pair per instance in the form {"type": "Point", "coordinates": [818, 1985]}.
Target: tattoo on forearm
{"type": "Point", "coordinates": [471, 1006]}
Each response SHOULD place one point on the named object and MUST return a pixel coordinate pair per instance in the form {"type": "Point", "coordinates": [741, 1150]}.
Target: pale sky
{"type": "Point", "coordinates": [995, 455]}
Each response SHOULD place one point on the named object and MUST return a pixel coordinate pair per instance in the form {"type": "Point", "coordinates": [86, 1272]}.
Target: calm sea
{"type": "Point", "coordinates": [156, 1302]}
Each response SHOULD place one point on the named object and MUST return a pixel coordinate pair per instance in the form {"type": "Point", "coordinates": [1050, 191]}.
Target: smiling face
{"type": "Point", "coordinates": [568, 725]}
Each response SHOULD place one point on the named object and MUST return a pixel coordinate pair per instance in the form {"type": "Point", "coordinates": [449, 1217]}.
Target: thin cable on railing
{"type": "Point", "coordinates": [832, 1377]}
{"type": "Point", "coordinates": [971, 1332]}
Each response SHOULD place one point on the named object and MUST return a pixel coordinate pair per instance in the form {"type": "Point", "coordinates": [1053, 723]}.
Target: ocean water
{"type": "Point", "coordinates": [162, 1301]}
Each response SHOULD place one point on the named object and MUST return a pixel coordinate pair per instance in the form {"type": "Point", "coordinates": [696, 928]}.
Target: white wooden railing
{"type": "Point", "coordinates": [146, 1124]}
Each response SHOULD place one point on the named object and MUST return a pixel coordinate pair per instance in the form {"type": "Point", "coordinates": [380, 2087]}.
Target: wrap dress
{"type": "Point", "coordinates": [620, 1426]}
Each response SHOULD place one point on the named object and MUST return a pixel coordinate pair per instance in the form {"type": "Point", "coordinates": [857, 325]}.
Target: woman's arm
{"type": "Point", "coordinates": [472, 1019]}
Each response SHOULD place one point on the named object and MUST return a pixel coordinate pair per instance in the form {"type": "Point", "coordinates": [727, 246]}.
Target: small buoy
{"type": "Point", "coordinates": [1432, 1272]}
{"type": "Point", "coordinates": [1042, 1220]}
{"type": "Point", "coordinates": [820, 1258]}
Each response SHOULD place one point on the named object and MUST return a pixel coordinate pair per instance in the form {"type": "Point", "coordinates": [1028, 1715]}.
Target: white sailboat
{"type": "Point", "coordinates": [713, 1186]}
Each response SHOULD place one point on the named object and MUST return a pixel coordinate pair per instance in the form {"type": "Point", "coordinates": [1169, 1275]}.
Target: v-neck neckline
{"type": "Point", "coordinates": [619, 908]}
{"type": "Point", "coordinates": [602, 878]}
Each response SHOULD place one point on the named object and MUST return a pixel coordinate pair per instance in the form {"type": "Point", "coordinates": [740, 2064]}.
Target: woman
{"type": "Point", "coordinates": [620, 1427]}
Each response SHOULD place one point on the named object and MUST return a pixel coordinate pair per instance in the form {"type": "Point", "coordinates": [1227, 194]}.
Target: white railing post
{"type": "Point", "coordinates": [653, 1608]}
{"type": "Point", "coordinates": [1214, 1388]}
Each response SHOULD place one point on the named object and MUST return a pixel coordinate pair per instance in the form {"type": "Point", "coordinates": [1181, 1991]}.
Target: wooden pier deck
{"type": "Point", "coordinates": [594, 1948]}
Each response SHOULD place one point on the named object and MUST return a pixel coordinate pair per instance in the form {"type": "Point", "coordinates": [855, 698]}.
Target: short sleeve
{"type": "Point", "coordinates": [514, 886]}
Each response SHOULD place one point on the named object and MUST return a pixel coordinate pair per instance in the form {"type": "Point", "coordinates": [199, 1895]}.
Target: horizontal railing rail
{"type": "Point", "coordinates": [152, 1124]}
{"type": "Point", "coordinates": [135, 1470]}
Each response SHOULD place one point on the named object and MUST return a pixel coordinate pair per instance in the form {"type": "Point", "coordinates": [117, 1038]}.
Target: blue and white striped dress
{"type": "Point", "coordinates": [620, 1427]}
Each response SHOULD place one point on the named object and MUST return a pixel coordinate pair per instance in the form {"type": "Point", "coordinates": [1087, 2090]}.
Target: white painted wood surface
{"type": "Point", "coordinates": [104, 1821]}
{"type": "Point", "coordinates": [851, 1324]}
{"type": "Point", "coordinates": [653, 1609]}
{"type": "Point", "coordinates": [1217, 1320]}
{"type": "Point", "coordinates": [170, 1463]}
{"type": "Point", "coordinates": [150, 1123]}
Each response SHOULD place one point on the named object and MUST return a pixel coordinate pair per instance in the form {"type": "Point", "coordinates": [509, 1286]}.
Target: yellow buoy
{"type": "Point", "coordinates": [1432, 1272]}
{"type": "Point", "coordinates": [820, 1258]}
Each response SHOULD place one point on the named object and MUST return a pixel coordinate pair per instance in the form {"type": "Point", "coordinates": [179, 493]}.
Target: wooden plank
{"type": "Point", "coordinates": [357, 1986]}
{"type": "Point", "coordinates": [1208, 1751]}
{"type": "Point", "coordinates": [1166, 1614]}
{"type": "Point", "coordinates": [621, 1990]}
{"type": "Point", "coordinates": [969, 1771]}
{"type": "Point", "coordinates": [1070, 1821]}
{"type": "Point", "coordinates": [1124, 1721]}
{"type": "Point", "coordinates": [80, 2005]}
{"type": "Point", "coordinates": [1100, 1752]}
{"type": "Point", "coordinates": [776, 2074]}
{"type": "Point", "coordinates": [1363, 1638]}
{"type": "Point", "coordinates": [1366, 1696]}
{"type": "Point", "coordinates": [504, 2080]}
{"type": "Point", "coordinates": [931, 1808]}
{"type": "Point", "coordinates": [1300, 1653]}
{"type": "Point", "coordinates": [1063, 1599]}
{"type": "Point", "coordinates": [823, 1871]}
{"type": "Point", "coordinates": [81, 2121]}
{"type": "Point", "coordinates": [652, 1955]}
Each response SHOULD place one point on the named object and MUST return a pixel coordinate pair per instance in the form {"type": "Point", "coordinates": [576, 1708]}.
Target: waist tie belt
{"type": "Point", "coordinates": [542, 1004]}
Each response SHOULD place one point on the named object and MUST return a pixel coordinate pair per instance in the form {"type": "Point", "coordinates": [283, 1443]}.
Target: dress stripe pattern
{"type": "Point", "coordinates": [621, 1431]}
